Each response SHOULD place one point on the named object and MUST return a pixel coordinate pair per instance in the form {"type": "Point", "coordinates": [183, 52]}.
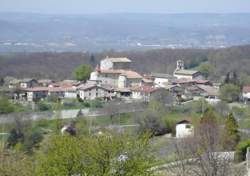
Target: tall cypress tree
{"type": "Point", "coordinates": [231, 135]}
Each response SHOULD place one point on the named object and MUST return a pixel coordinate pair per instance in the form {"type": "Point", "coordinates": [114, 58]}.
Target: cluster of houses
{"type": "Point", "coordinates": [114, 78]}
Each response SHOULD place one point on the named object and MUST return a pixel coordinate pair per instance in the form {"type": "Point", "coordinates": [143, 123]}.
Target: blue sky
{"type": "Point", "coordinates": [112, 6]}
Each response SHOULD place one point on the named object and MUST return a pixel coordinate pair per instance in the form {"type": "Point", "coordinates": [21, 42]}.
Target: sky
{"type": "Point", "coordinates": [127, 6]}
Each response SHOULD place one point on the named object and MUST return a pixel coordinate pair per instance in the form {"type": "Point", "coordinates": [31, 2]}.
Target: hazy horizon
{"type": "Point", "coordinates": [127, 6]}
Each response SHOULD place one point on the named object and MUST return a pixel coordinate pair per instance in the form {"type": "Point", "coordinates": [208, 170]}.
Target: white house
{"type": "Point", "coordinates": [27, 83]}
{"type": "Point", "coordinates": [37, 93]}
{"type": "Point", "coordinates": [184, 129]}
{"type": "Point", "coordinates": [246, 93]}
{"type": "Point", "coordinates": [161, 79]}
{"type": "Point", "coordinates": [181, 73]}
{"type": "Point", "coordinates": [210, 93]}
{"type": "Point", "coordinates": [93, 91]}
{"type": "Point", "coordinates": [70, 93]}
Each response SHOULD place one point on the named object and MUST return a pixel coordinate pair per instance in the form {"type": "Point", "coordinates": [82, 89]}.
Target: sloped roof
{"type": "Point", "coordinates": [118, 59]}
{"type": "Point", "coordinates": [185, 72]}
{"type": "Point", "coordinates": [37, 89]}
{"type": "Point", "coordinates": [146, 89]}
{"type": "Point", "coordinates": [162, 75]}
{"type": "Point", "coordinates": [183, 122]}
{"type": "Point", "coordinates": [91, 85]}
{"type": "Point", "coordinates": [246, 89]}
{"type": "Point", "coordinates": [131, 74]}
{"type": "Point", "coordinates": [209, 90]}
{"type": "Point", "coordinates": [128, 73]}
{"type": "Point", "coordinates": [25, 80]}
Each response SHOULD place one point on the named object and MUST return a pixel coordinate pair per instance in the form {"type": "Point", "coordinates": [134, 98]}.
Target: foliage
{"type": "Point", "coordinates": [206, 69]}
{"type": "Point", "coordinates": [152, 120]}
{"type": "Point", "coordinates": [222, 108]}
{"type": "Point", "coordinates": [6, 106]}
{"type": "Point", "coordinates": [231, 135]}
{"type": "Point", "coordinates": [23, 136]}
{"type": "Point", "coordinates": [82, 72]}
{"type": "Point", "coordinates": [241, 150]}
{"type": "Point", "coordinates": [97, 103]}
{"type": "Point", "coordinates": [229, 92]}
{"type": "Point", "coordinates": [43, 106]}
{"type": "Point", "coordinates": [108, 154]}
{"type": "Point", "coordinates": [15, 164]}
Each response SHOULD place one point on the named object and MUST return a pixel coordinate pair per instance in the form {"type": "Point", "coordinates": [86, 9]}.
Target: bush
{"type": "Point", "coordinates": [97, 103]}
{"type": "Point", "coordinates": [241, 150]}
{"type": "Point", "coordinates": [229, 93]}
{"type": "Point", "coordinates": [43, 106]}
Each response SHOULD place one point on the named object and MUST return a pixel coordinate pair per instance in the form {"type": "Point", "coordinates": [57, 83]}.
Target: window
{"type": "Point", "coordinates": [188, 126]}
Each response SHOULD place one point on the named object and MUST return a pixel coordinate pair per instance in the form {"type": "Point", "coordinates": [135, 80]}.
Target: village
{"type": "Point", "coordinates": [113, 79]}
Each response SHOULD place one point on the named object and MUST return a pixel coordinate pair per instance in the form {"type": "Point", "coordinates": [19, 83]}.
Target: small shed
{"type": "Point", "coordinates": [184, 128]}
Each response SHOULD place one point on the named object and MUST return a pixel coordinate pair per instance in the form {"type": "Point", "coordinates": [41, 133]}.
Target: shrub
{"type": "Point", "coordinates": [241, 150]}
{"type": "Point", "coordinates": [43, 106]}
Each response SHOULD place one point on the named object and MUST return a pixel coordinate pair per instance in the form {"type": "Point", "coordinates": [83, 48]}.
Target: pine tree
{"type": "Point", "coordinates": [231, 135]}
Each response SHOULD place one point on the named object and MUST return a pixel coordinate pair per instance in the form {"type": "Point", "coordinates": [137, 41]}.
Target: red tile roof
{"type": "Point", "coordinates": [145, 89]}
{"type": "Point", "coordinates": [128, 73]}
{"type": "Point", "coordinates": [246, 89]}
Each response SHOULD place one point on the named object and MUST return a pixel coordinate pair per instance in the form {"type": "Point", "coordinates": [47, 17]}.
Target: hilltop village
{"type": "Point", "coordinates": [114, 79]}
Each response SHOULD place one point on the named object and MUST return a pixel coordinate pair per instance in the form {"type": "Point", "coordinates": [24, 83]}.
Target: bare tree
{"type": "Point", "coordinates": [202, 154]}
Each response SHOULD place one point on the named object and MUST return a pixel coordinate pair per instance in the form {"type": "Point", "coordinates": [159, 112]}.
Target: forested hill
{"type": "Point", "coordinates": [60, 65]}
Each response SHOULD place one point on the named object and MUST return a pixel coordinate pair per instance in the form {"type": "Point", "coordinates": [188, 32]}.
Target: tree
{"type": "Point", "coordinates": [107, 154]}
{"type": "Point", "coordinates": [231, 135]}
{"type": "Point", "coordinates": [92, 60]}
{"type": "Point", "coordinates": [206, 69]}
{"type": "Point", "coordinates": [82, 72]}
{"type": "Point", "coordinates": [1, 81]}
{"type": "Point", "coordinates": [152, 119]}
{"type": "Point", "coordinates": [229, 92]}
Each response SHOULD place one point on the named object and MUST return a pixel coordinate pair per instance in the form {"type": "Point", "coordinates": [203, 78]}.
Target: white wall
{"type": "Point", "coordinates": [70, 94]}
{"type": "Point", "coordinates": [246, 95]}
{"type": "Point", "coordinates": [122, 81]}
{"type": "Point", "coordinates": [160, 82]}
{"type": "Point", "coordinates": [182, 131]}
{"type": "Point", "coordinates": [183, 76]}
{"type": "Point", "coordinates": [106, 64]}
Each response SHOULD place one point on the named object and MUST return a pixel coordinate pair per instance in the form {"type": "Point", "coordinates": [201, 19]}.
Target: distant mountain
{"type": "Point", "coordinates": [37, 32]}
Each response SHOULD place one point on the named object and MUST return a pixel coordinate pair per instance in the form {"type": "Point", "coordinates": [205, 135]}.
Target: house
{"type": "Point", "coordinates": [181, 73]}
{"type": "Point", "coordinates": [44, 82]}
{"type": "Point", "coordinates": [246, 93]}
{"type": "Point", "coordinates": [58, 92]}
{"type": "Point", "coordinates": [27, 83]}
{"type": "Point", "coordinates": [14, 83]}
{"type": "Point", "coordinates": [115, 63]}
{"type": "Point", "coordinates": [70, 92]}
{"type": "Point", "coordinates": [93, 91]}
{"type": "Point", "coordinates": [147, 81]}
{"type": "Point", "coordinates": [117, 78]}
{"type": "Point", "coordinates": [145, 93]}
{"type": "Point", "coordinates": [129, 79]}
{"type": "Point", "coordinates": [210, 93]}
{"type": "Point", "coordinates": [184, 129]}
{"type": "Point", "coordinates": [160, 79]}
{"type": "Point", "coordinates": [36, 93]}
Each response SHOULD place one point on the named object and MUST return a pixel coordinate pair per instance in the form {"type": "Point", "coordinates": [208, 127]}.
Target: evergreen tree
{"type": "Point", "coordinates": [231, 135]}
{"type": "Point", "coordinates": [92, 61]}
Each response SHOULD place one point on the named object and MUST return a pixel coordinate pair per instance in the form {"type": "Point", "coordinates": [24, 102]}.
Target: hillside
{"type": "Point", "coordinates": [60, 65]}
